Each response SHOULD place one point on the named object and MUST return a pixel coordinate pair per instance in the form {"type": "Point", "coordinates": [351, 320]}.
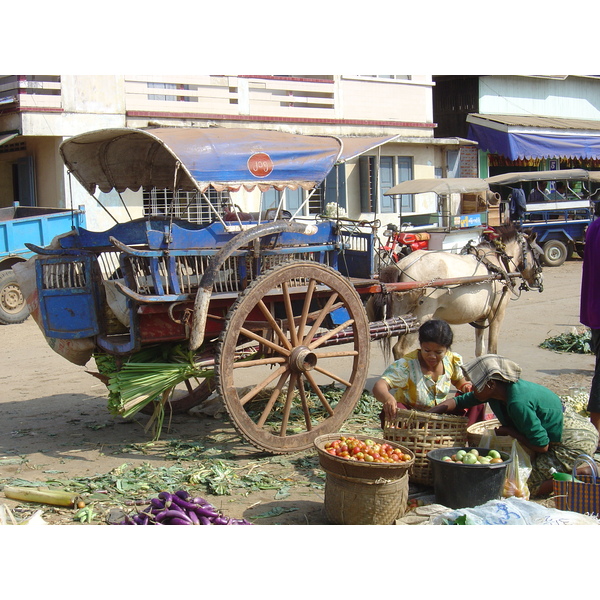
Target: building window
{"type": "Point", "coordinates": [293, 200]}
{"type": "Point", "coordinates": [175, 87]}
{"type": "Point", "coordinates": [382, 173]}
{"type": "Point", "coordinates": [390, 77]}
{"type": "Point", "coordinates": [185, 205]}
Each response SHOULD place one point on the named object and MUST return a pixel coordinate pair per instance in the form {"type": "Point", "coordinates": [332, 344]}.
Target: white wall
{"type": "Point", "coordinates": [574, 97]}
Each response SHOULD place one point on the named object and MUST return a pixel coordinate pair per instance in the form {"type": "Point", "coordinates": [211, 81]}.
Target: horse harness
{"type": "Point", "coordinates": [499, 249]}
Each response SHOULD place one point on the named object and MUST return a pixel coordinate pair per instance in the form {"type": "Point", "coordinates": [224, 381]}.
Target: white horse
{"type": "Point", "coordinates": [480, 304]}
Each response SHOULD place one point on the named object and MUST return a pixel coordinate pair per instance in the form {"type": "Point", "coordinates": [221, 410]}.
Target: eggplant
{"type": "Point", "coordinates": [197, 508]}
{"type": "Point", "coordinates": [173, 514]}
{"type": "Point", "coordinates": [178, 521]}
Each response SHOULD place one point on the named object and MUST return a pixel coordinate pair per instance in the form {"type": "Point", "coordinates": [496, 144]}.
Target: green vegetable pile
{"type": "Point", "coordinates": [147, 376]}
{"type": "Point", "coordinates": [575, 341]}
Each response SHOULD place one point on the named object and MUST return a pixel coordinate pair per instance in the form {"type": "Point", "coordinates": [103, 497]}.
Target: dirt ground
{"type": "Point", "coordinates": [55, 425]}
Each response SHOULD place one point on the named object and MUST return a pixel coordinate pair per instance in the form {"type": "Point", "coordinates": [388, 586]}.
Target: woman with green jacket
{"type": "Point", "coordinates": [530, 413]}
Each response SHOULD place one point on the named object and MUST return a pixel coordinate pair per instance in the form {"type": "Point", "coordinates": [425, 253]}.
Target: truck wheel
{"type": "Point", "coordinates": [13, 308]}
{"type": "Point", "coordinates": [555, 253]}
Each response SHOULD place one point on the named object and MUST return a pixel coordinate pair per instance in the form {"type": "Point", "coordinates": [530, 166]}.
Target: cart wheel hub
{"type": "Point", "coordinates": [302, 359]}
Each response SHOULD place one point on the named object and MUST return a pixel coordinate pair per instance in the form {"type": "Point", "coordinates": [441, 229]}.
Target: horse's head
{"type": "Point", "coordinates": [525, 256]}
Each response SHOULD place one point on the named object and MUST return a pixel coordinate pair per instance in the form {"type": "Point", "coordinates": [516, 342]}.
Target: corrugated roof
{"type": "Point", "coordinates": [541, 122]}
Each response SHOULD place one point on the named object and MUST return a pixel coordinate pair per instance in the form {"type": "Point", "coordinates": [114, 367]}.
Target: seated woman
{"type": "Point", "coordinates": [424, 377]}
{"type": "Point", "coordinates": [530, 413]}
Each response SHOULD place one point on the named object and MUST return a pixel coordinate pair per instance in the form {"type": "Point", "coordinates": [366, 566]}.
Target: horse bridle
{"type": "Point", "coordinates": [537, 264]}
{"type": "Point", "coordinates": [506, 260]}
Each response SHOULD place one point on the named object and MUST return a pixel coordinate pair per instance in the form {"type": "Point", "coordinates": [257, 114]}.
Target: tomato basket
{"type": "Point", "coordinates": [363, 493]}
{"type": "Point", "coordinates": [361, 470]}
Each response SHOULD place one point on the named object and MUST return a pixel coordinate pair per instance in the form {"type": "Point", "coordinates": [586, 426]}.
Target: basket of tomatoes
{"type": "Point", "coordinates": [363, 457]}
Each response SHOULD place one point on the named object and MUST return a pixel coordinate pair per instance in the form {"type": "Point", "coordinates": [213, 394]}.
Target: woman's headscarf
{"type": "Point", "coordinates": [491, 366]}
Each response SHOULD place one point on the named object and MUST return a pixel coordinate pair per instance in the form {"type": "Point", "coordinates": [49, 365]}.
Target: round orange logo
{"type": "Point", "coordinates": [260, 164]}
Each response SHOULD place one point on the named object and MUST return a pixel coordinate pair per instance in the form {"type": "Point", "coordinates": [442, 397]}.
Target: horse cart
{"type": "Point", "coordinates": [264, 311]}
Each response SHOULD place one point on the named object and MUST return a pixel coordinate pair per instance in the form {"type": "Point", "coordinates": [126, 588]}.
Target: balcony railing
{"type": "Point", "coordinates": [230, 96]}
{"type": "Point", "coordinates": [280, 97]}
{"type": "Point", "coordinates": [30, 91]}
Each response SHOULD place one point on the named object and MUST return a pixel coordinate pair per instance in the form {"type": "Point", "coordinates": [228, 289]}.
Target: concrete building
{"type": "Point", "coordinates": [522, 122]}
{"type": "Point", "coordinates": [38, 112]}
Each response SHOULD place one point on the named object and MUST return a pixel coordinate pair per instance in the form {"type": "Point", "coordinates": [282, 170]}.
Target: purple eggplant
{"type": "Point", "coordinates": [178, 521]}
{"type": "Point", "coordinates": [173, 514]}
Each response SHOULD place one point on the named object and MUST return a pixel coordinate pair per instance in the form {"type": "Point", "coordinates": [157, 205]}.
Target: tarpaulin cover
{"type": "Point", "coordinates": [558, 175]}
{"type": "Point", "coordinates": [193, 158]}
{"type": "Point", "coordinates": [532, 144]}
{"type": "Point", "coordinates": [441, 186]}
{"type": "Point", "coordinates": [355, 146]}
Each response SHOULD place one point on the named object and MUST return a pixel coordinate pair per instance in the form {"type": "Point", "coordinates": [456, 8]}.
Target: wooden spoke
{"type": "Point", "coordinates": [323, 338]}
{"type": "Point", "coordinates": [332, 376]}
{"type": "Point", "coordinates": [320, 318]}
{"type": "Point", "coordinates": [262, 340]}
{"type": "Point", "coordinates": [261, 386]}
{"type": "Point", "coordinates": [288, 404]}
{"type": "Point", "coordinates": [280, 334]}
{"type": "Point", "coordinates": [276, 393]}
{"type": "Point", "coordinates": [288, 311]}
{"type": "Point", "coordinates": [319, 393]}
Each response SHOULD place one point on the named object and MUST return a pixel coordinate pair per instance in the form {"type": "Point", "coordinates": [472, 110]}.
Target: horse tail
{"type": "Point", "coordinates": [381, 302]}
{"type": "Point", "coordinates": [379, 306]}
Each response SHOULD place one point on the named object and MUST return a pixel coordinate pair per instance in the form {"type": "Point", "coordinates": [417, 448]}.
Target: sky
{"type": "Point", "coordinates": [316, 37]}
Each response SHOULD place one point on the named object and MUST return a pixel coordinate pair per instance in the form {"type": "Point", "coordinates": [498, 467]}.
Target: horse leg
{"type": "Point", "coordinates": [494, 330]}
{"type": "Point", "coordinates": [479, 335]}
{"type": "Point", "coordinates": [404, 344]}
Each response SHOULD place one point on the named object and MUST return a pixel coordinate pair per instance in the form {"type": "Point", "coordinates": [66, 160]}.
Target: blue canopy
{"type": "Point", "coordinates": [529, 143]}
{"type": "Point", "coordinates": [191, 158]}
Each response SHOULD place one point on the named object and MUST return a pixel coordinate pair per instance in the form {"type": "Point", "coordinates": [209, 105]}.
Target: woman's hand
{"type": "Point", "coordinates": [466, 387]}
{"type": "Point", "coordinates": [381, 391]}
{"type": "Point", "coordinates": [390, 408]}
{"type": "Point", "coordinates": [443, 407]}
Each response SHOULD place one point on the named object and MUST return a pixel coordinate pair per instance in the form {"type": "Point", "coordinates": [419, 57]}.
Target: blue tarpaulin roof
{"type": "Point", "coordinates": [195, 157]}
{"type": "Point", "coordinates": [189, 158]}
{"type": "Point", "coordinates": [515, 141]}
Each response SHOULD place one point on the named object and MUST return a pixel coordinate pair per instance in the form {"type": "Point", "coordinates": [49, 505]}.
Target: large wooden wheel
{"type": "Point", "coordinates": [283, 372]}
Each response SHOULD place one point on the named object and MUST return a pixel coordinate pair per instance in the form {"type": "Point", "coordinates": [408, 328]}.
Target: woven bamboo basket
{"type": "Point", "coordinates": [355, 501]}
{"type": "Point", "coordinates": [361, 470]}
{"type": "Point", "coordinates": [476, 431]}
{"type": "Point", "coordinates": [503, 443]}
{"type": "Point", "coordinates": [361, 493]}
{"type": "Point", "coordinates": [422, 432]}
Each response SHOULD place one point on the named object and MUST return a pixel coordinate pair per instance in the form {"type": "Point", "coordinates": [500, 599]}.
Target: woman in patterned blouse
{"type": "Point", "coordinates": [424, 377]}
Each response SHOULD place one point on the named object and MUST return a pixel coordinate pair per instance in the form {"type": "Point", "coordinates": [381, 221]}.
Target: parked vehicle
{"type": "Point", "coordinates": [19, 225]}
{"type": "Point", "coordinates": [560, 223]}
{"type": "Point", "coordinates": [451, 231]}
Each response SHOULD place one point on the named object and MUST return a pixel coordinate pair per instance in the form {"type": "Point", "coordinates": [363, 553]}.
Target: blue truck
{"type": "Point", "coordinates": [20, 225]}
{"type": "Point", "coordinates": [560, 220]}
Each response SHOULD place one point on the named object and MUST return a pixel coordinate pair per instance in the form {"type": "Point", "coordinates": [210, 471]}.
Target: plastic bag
{"type": "Point", "coordinates": [517, 473]}
{"type": "Point", "coordinates": [511, 511]}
